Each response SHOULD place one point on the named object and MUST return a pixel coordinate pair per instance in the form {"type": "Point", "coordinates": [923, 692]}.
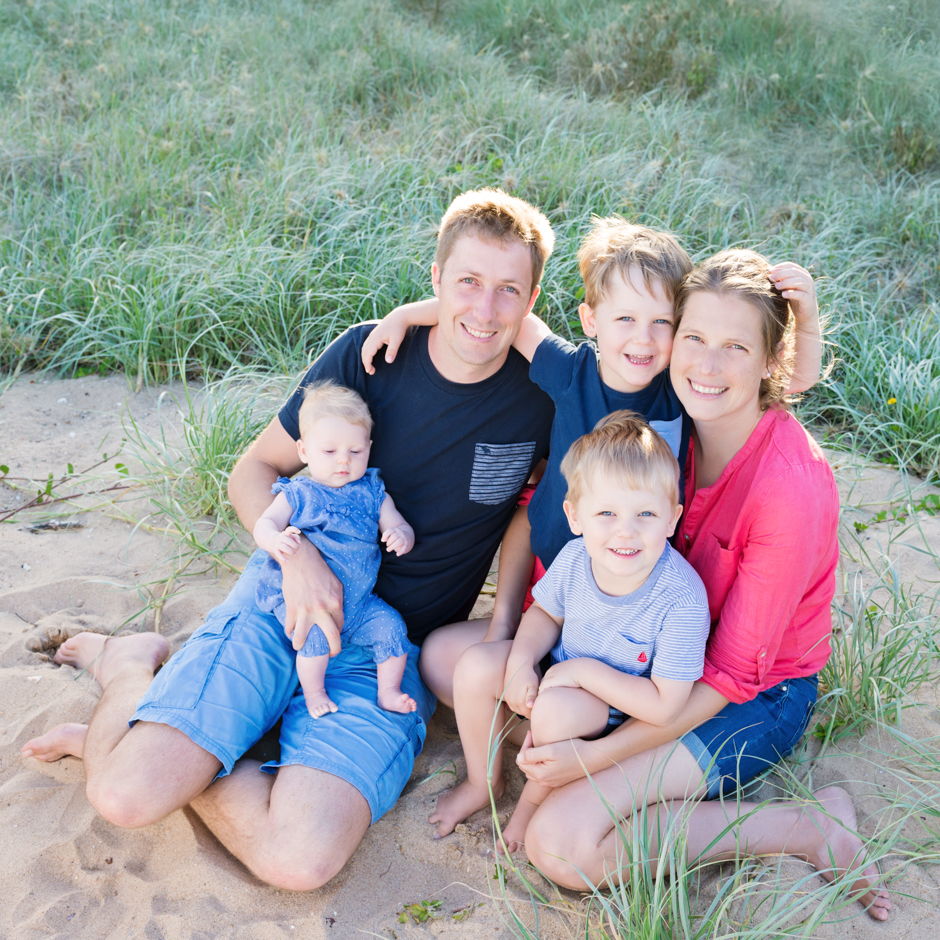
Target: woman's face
{"type": "Point", "coordinates": [718, 359]}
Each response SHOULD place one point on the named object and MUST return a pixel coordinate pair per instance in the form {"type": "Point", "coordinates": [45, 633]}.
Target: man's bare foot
{"type": "Point", "coordinates": [319, 703]}
{"type": "Point", "coordinates": [62, 741]}
{"type": "Point", "coordinates": [106, 657]}
{"type": "Point", "coordinates": [459, 802]}
{"type": "Point", "coordinates": [839, 850]}
{"type": "Point", "coordinates": [394, 700]}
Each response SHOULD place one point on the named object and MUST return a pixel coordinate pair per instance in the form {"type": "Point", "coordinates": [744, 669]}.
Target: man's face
{"type": "Point", "coordinates": [485, 289]}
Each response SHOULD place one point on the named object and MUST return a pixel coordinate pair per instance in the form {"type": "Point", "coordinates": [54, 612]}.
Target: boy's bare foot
{"type": "Point", "coordinates": [840, 850]}
{"type": "Point", "coordinates": [319, 703]}
{"type": "Point", "coordinates": [105, 657]}
{"type": "Point", "coordinates": [62, 741]}
{"type": "Point", "coordinates": [459, 802]}
{"type": "Point", "coordinates": [394, 700]}
{"type": "Point", "coordinates": [514, 833]}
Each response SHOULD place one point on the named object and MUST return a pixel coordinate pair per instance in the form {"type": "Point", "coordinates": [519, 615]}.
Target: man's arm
{"type": "Point", "coordinates": [309, 585]}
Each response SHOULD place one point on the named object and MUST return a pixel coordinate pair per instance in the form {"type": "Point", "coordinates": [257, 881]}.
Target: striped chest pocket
{"type": "Point", "coordinates": [499, 470]}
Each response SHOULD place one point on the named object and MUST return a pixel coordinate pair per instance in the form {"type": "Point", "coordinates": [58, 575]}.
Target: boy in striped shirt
{"type": "Point", "coordinates": [622, 614]}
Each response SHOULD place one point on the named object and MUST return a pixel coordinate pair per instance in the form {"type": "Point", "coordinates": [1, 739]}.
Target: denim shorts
{"type": "Point", "coordinates": [743, 741]}
{"type": "Point", "coordinates": [235, 677]}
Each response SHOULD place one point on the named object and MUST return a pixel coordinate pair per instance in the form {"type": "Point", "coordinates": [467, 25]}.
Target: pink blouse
{"type": "Point", "coordinates": [764, 539]}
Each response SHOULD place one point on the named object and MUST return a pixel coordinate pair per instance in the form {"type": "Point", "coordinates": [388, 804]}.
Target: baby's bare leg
{"type": "Point", "coordinates": [390, 696]}
{"type": "Point", "coordinates": [310, 671]}
{"type": "Point", "coordinates": [478, 685]}
{"type": "Point", "coordinates": [559, 714]}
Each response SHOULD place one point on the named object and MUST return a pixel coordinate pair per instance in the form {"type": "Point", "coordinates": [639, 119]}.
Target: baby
{"type": "Point", "coordinates": [623, 615]}
{"type": "Point", "coordinates": [340, 508]}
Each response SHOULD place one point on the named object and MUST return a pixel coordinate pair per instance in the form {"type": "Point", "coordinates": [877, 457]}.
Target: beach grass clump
{"type": "Point", "coordinates": [203, 186]}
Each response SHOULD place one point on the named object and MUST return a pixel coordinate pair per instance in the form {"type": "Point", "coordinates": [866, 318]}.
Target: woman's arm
{"type": "Point", "coordinates": [555, 765]}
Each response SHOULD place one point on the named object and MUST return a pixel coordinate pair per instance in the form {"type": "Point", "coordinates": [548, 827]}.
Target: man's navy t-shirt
{"type": "Point", "coordinates": [453, 457]}
{"type": "Point", "coordinates": [570, 375]}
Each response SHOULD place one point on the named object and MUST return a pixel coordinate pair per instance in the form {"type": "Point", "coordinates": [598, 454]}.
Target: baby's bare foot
{"type": "Point", "coordinates": [106, 657]}
{"type": "Point", "coordinates": [459, 802]}
{"type": "Point", "coordinates": [319, 703]}
{"type": "Point", "coordinates": [62, 741]}
{"type": "Point", "coordinates": [394, 700]}
{"type": "Point", "coordinates": [840, 850]}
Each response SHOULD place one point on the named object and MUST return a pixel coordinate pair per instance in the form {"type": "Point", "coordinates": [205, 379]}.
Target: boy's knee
{"type": "Point", "coordinates": [550, 717]}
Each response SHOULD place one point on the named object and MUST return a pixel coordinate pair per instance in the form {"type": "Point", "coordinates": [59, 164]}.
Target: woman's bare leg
{"type": "Point", "coordinates": [573, 831]}
{"type": "Point", "coordinates": [478, 686]}
{"type": "Point", "coordinates": [440, 652]}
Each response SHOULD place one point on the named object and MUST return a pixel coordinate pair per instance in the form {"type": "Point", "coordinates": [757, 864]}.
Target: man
{"type": "Point", "coordinates": [458, 430]}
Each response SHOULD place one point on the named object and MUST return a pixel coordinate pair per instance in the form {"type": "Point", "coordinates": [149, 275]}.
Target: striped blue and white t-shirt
{"type": "Point", "coordinates": [660, 629]}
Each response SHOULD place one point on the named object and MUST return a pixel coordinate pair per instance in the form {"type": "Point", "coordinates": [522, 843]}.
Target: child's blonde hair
{"type": "Point", "coordinates": [626, 450]}
{"type": "Point", "coordinates": [615, 245]}
{"type": "Point", "coordinates": [494, 215]}
{"type": "Point", "coordinates": [326, 399]}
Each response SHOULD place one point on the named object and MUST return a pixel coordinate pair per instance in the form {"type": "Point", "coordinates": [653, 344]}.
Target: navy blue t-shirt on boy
{"type": "Point", "coordinates": [454, 458]}
{"type": "Point", "coordinates": [571, 377]}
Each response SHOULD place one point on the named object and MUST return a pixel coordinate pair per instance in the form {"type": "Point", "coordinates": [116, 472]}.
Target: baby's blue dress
{"type": "Point", "coordinates": [343, 523]}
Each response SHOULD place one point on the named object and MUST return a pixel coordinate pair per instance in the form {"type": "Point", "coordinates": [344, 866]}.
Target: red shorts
{"type": "Point", "coordinates": [538, 572]}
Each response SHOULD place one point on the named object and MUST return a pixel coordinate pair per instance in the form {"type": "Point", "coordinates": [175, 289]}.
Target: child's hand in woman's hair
{"type": "Point", "coordinates": [797, 286]}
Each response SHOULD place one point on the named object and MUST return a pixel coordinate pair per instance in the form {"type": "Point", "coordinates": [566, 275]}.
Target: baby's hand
{"type": "Point", "coordinates": [797, 286]}
{"type": "Point", "coordinates": [399, 539]}
{"type": "Point", "coordinates": [389, 332]}
{"type": "Point", "coordinates": [286, 543]}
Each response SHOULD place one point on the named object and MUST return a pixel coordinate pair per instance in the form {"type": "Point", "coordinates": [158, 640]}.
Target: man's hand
{"type": "Point", "coordinates": [399, 539]}
{"type": "Point", "coordinates": [522, 687]}
{"type": "Point", "coordinates": [313, 595]}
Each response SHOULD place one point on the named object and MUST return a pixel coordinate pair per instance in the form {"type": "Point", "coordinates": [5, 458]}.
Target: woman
{"type": "Point", "coordinates": [760, 528]}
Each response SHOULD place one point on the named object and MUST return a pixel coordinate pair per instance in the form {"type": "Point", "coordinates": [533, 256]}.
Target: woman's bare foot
{"type": "Point", "coordinates": [62, 741]}
{"type": "Point", "coordinates": [319, 703]}
{"type": "Point", "coordinates": [459, 802]}
{"type": "Point", "coordinates": [394, 700]}
{"type": "Point", "coordinates": [839, 850]}
{"type": "Point", "coordinates": [106, 657]}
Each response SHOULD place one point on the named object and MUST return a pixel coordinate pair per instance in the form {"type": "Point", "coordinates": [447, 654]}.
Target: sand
{"type": "Point", "coordinates": [65, 872]}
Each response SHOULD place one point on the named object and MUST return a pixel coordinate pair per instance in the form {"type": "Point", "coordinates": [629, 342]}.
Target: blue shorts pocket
{"type": "Point", "coordinates": [181, 682]}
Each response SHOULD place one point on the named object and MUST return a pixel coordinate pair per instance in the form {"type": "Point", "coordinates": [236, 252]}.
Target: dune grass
{"type": "Point", "coordinates": [214, 189]}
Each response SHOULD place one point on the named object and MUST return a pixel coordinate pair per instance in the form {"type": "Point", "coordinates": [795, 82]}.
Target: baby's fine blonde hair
{"type": "Point", "coordinates": [326, 399]}
{"type": "Point", "coordinates": [626, 450]}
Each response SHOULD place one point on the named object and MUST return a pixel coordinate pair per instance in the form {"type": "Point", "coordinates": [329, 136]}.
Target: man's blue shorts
{"type": "Point", "coordinates": [235, 677]}
{"type": "Point", "coordinates": [743, 741]}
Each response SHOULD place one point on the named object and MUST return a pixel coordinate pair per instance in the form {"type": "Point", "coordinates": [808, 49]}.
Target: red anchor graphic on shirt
{"type": "Point", "coordinates": [641, 658]}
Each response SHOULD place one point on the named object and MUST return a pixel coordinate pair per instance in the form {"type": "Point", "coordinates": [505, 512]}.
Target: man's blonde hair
{"type": "Point", "coordinates": [614, 245]}
{"type": "Point", "coordinates": [493, 215]}
{"type": "Point", "coordinates": [626, 450]}
{"type": "Point", "coordinates": [326, 399]}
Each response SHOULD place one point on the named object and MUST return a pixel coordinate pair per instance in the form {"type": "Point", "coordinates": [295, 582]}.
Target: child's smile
{"type": "Point", "coordinates": [633, 326]}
